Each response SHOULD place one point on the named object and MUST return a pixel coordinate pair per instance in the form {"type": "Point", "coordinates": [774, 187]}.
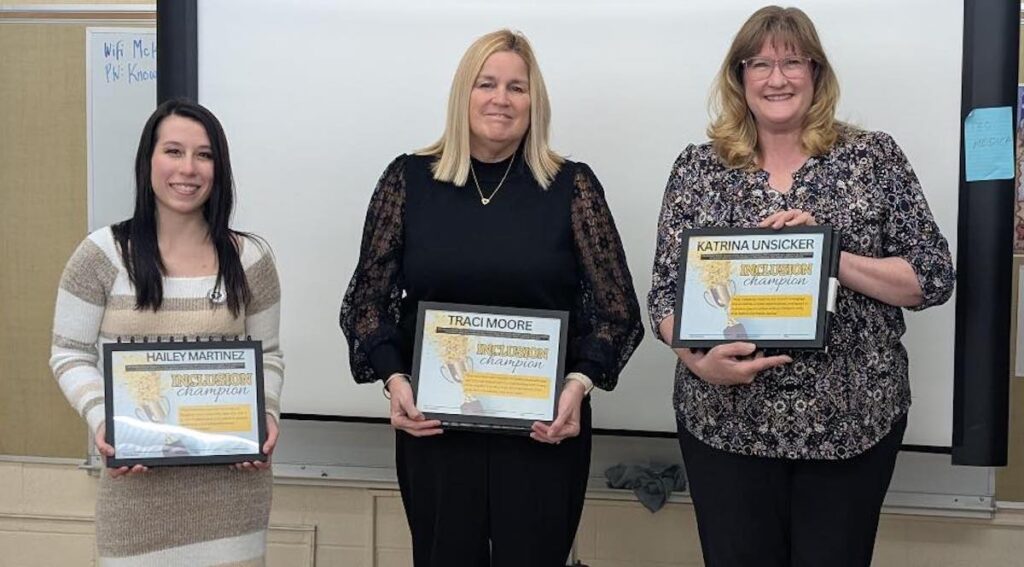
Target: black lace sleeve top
{"type": "Point", "coordinates": [425, 240]}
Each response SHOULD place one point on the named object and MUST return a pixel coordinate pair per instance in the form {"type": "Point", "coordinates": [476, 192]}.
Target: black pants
{"type": "Point", "coordinates": [780, 512]}
{"type": "Point", "coordinates": [479, 499]}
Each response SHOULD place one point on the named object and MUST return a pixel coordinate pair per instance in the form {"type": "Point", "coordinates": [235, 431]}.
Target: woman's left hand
{"type": "Point", "coordinates": [567, 424]}
{"type": "Point", "coordinates": [268, 449]}
{"type": "Point", "coordinates": [792, 217]}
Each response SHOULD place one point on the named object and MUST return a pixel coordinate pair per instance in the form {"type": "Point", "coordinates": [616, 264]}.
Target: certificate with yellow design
{"type": "Point", "coordinates": [180, 403]}
{"type": "Point", "coordinates": [488, 367]}
{"type": "Point", "coordinates": [773, 288]}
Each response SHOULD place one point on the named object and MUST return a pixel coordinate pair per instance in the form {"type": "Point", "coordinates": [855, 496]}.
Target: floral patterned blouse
{"type": "Point", "coordinates": [823, 405]}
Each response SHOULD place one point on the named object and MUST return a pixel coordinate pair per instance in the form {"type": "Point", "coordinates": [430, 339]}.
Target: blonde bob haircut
{"type": "Point", "coordinates": [452, 150]}
{"type": "Point", "coordinates": [733, 131]}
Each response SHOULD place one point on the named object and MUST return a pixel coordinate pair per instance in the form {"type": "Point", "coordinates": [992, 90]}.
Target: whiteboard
{"type": "Point", "coordinates": [317, 97]}
{"type": "Point", "coordinates": [120, 67]}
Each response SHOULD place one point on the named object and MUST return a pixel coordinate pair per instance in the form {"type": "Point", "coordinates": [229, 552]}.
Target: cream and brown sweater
{"type": "Point", "coordinates": [209, 515]}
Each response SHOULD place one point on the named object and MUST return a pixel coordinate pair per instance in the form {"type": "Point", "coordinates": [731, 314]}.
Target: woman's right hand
{"type": "Point", "coordinates": [727, 364]}
{"type": "Point", "coordinates": [404, 414]}
{"type": "Point", "coordinates": [107, 450]}
{"type": "Point", "coordinates": [730, 364]}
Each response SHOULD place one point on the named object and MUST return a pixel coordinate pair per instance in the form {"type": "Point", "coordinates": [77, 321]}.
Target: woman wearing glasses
{"type": "Point", "coordinates": [790, 454]}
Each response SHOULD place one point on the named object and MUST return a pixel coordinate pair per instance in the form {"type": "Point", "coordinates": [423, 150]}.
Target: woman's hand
{"type": "Point", "coordinates": [567, 423]}
{"type": "Point", "coordinates": [268, 449]}
{"type": "Point", "coordinates": [792, 217]}
{"type": "Point", "coordinates": [404, 414]}
{"type": "Point", "coordinates": [107, 450]}
{"type": "Point", "coordinates": [726, 364]}
{"type": "Point", "coordinates": [730, 364]}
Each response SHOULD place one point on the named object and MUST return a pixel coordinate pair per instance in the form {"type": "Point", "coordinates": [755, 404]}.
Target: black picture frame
{"type": "Point", "coordinates": [488, 423]}
{"type": "Point", "coordinates": [827, 287]}
{"type": "Point", "coordinates": [134, 346]}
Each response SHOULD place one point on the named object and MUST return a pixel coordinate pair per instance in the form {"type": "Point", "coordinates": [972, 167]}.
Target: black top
{"type": "Point", "coordinates": [426, 240]}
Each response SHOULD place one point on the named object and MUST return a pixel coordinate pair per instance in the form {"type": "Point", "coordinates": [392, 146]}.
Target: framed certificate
{"type": "Point", "coordinates": [774, 288]}
{"type": "Point", "coordinates": [184, 403]}
{"type": "Point", "coordinates": [493, 368]}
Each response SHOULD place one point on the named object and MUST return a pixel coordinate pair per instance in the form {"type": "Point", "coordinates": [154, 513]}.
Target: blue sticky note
{"type": "Point", "coordinates": [988, 143]}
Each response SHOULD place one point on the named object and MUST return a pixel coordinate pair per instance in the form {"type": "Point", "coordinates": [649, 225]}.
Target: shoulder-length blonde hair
{"type": "Point", "coordinates": [452, 150]}
{"type": "Point", "coordinates": [732, 131]}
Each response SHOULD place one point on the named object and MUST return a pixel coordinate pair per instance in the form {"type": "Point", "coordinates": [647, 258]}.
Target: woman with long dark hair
{"type": "Point", "coordinates": [175, 268]}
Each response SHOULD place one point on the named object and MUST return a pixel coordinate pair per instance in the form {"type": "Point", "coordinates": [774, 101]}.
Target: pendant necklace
{"type": "Point", "coordinates": [486, 200]}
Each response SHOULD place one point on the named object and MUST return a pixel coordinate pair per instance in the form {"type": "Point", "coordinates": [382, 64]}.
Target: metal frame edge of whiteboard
{"type": "Point", "coordinates": [924, 504]}
{"type": "Point", "coordinates": [376, 478]}
{"type": "Point", "coordinates": [383, 421]}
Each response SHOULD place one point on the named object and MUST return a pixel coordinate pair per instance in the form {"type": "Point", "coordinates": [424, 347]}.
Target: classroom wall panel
{"type": "Point", "coordinates": [35, 3]}
{"type": "Point", "coordinates": [1010, 479]}
{"type": "Point", "coordinates": [42, 176]}
{"type": "Point", "coordinates": [335, 523]}
{"type": "Point", "coordinates": [44, 195]}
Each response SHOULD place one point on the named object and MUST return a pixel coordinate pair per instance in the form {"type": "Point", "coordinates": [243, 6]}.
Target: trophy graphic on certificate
{"type": "Point", "coordinates": [720, 295]}
{"type": "Point", "coordinates": [453, 350]}
{"type": "Point", "coordinates": [155, 411]}
{"type": "Point", "coordinates": [152, 406]}
{"type": "Point", "coordinates": [716, 276]}
{"type": "Point", "coordinates": [147, 392]}
{"type": "Point", "coordinates": [454, 371]}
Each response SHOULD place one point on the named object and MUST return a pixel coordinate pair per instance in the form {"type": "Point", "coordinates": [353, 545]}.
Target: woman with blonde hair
{"type": "Point", "coordinates": [490, 215]}
{"type": "Point", "coordinates": [789, 454]}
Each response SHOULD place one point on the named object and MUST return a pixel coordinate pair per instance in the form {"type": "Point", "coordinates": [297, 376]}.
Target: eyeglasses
{"type": "Point", "coordinates": [792, 67]}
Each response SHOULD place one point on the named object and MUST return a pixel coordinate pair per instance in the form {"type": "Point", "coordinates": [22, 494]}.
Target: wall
{"type": "Point", "coordinates": [41, 215]}
{"type": "Point", "coordinates": [43, 188]}
{"type": "Point", "coordinates": [1010, 480]}
{"type": "Point", "coordinates": [46, 512]}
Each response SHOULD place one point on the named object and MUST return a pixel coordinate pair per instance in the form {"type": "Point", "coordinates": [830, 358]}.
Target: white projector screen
{"type": "Point", "coordinates": [318, 96]}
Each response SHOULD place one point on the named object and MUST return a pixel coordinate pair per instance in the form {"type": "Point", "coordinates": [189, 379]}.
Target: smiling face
{"type": "Point", "coordinates": [778, 103]}
{"type": "Point", "coordinates": [499, 106]}
{"type": "Point", "coordinates": [182, 167]}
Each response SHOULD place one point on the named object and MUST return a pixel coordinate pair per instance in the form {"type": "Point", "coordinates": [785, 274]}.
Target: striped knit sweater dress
{"type": "Point", "coordinates": [196, 516]}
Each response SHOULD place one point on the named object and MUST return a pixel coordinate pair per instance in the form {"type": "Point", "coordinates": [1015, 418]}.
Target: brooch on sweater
{"type": "Point", "coordinates": [216, 295]}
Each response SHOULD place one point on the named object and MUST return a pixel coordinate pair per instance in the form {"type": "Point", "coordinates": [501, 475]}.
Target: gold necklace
{"type": "Point", "coordinates": [486, 200]}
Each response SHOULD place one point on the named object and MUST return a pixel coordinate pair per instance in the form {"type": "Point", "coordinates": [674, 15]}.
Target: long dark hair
{"type": "Point", "coordinates": [136, 237]}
